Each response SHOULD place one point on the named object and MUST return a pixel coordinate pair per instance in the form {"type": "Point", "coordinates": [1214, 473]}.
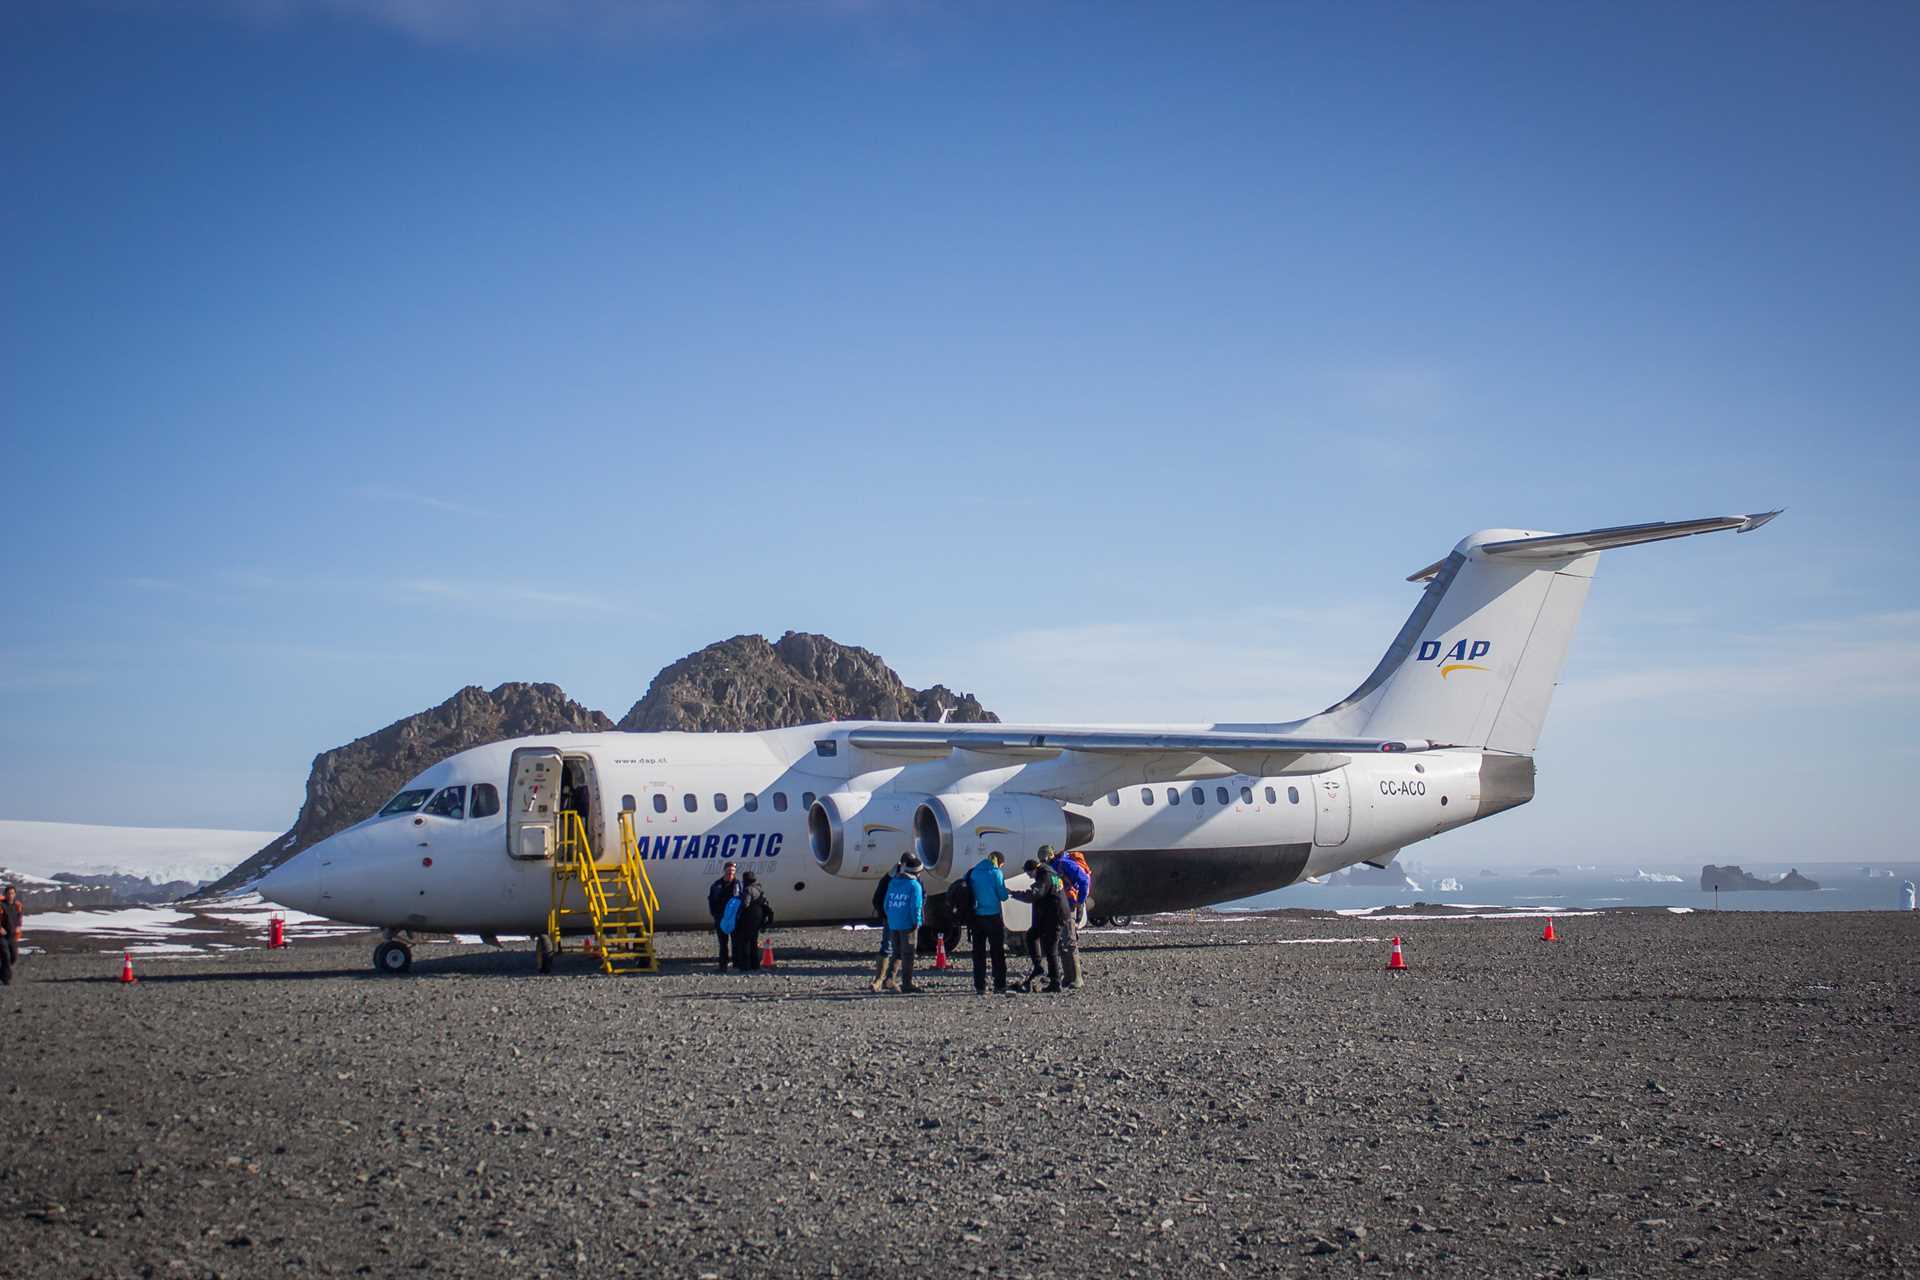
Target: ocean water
{"type": "Point", "coordinates": [1844, 886]}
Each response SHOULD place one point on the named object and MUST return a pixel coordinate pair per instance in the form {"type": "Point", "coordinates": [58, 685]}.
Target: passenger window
{"type": "Point", "coordinates": [450, 803]}
{"type": "Point", "coordinates": [719, 802]}
{"type": "Point", "coordinates": [1173, 795]}
{"type": "Point", "coordinates": [1113, 798]}
{"type": "Point", "coordinates": [1246, 795]}
{"type": "Point", "coordinates": [1146, 796]}
{"type": "Point", "coordinates": [1199, 795]}
{"type": "Point", "coordinates": [1272, 798]}
{"type": "Point", "coordinates": [486, 801]}
{"type": "Point", "coordinates": [1293, 795]}
{"type": "Point", "coordinates": [1220, 794]}
{"type": "Point", "coordinates": [406, 802]}
{"type": "Point", "coordinates": [806, 799]}
{"type": "Point", "coordinates": [752, 803]}
{"type": "Point", "coordinates": [659, 802]}
{"type": "Point", "coordinates": [690, 802]}
{"type": "Point", "coordinates": [779, 802]}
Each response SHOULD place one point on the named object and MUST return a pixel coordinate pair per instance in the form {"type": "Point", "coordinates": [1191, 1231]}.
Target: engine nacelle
{"type": "Point", "coordinates": [858, 835]}
{"type": "Point", "coordinates": [952, 832]}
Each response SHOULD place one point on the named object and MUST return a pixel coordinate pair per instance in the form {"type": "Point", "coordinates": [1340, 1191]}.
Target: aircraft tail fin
{"type": "Point", "coordinates": [1476, 662]}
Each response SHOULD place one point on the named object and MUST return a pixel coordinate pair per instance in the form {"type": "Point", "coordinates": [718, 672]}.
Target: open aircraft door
{"type": "Point", "coordinates": [533, 815]}
{"type": "Point", "coordinates": [1333, 809]}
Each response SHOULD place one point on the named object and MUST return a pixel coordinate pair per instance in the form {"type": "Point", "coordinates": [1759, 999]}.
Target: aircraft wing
{"type": "Point", "coordinates": [1092, 762]}
{"type": "Point", "coordinates": [989, 739]}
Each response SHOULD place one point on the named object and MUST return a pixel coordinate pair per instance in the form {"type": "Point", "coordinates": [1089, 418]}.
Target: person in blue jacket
{"type": "Point", "coordinates": [989, 886]}
{"type": "Point", "coordinates": [906, 904]}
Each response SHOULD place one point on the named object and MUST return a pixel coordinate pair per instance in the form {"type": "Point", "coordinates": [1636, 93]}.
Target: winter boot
{"type": "Point", "coordinates": [880, 974]}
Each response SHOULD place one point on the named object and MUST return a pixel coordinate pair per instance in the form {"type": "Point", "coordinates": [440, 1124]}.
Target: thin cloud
{"type": "Point", "coordinates": [407, 497]}
{"type": "Point", "coordinates": [502, 595]}
{"type": "Point", "coordinates": [1871, 658]}
{"type": "Point", "coordinates": [497, 22]}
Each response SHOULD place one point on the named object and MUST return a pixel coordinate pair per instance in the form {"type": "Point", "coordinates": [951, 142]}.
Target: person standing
{"type": "Point", "coordinates": [906, 910]}
{"type": "Point", "coordinates": [1049, 899]}
{"type": "Point", "coordinates": [718, 893]}
{"type": "Point", "coordinates": [1079, 885]}
{"type": "Point", "coordinates": [11, 915]}
{"type": "Point", "coordinates": [755, 915]}
{"type": "Point", "coordinates": [886, 934]}
{"type": "Point", "coordinates": [989, 885]}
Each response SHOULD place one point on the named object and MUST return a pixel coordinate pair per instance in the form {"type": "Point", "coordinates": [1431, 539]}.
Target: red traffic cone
{"type": "Point", "coordinates": [940, 960]}
{"type": "Point", "coordinates": [1396, 961]}
{"type": "Point", "coordinates": [126, 967]}
{"type": "Point", "coordinates": [277, 929]}
{"type": "Point", "coordinates": [1547, 935]}
{"type": "Point", "coordinates": [766, 953]}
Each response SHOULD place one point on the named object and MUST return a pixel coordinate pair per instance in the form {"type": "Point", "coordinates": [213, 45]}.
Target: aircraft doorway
{"type": "Point", "coordinates": [1333, 810]}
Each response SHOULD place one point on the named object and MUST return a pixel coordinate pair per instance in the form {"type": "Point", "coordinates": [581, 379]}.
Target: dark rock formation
{"type": "Point", "coordinates": [746, 683]}
{"type": "Point", "coordinates": [349, 783]}
{"type": "Point", "coordinates": [1732, 878]}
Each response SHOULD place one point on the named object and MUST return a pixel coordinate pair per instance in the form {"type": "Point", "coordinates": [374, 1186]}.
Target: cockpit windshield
{"type": "Point", "coordinates": [406, 802]}
{"type": "Point", "coordinates": [450, 803]}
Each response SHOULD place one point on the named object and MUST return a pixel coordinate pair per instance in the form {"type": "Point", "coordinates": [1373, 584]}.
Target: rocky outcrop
{"type": "Point", "coordinates": [349, 783]}
{"type": "Point", "coordinates": [1732, 878]}
{"type": "Point", "coordinates": [747, 683]}
{"type": "Point", "coordinates": [742, 684]}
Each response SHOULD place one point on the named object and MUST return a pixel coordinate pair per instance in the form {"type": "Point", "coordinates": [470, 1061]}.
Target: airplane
{"type": "Point", "coordinates": [1441, 734]}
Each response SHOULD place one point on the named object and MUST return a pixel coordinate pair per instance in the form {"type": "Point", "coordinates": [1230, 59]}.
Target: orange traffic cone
{"type": "Point", "coordinates": [1547, 936]}
{"type": "Point", "coordinates": [766, 953]}
{"type": "Point", "coordinates": [126, 967]}
{"type": "Point", "coordinates": [940, 960]}
{"type": "Point", "coordinates": [1396, 961]}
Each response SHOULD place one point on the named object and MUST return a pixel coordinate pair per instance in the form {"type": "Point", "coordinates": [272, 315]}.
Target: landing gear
{"type": "Point", "coordinates": [1110, 922]}
{"type": "Point", "coordinates": [543, 954]}
{"type": "Point", "coordinates": [393, 957]}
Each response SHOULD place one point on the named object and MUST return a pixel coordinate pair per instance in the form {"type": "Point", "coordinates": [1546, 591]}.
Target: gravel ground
{"type": "Point", "coordinates": [1651, 1094]}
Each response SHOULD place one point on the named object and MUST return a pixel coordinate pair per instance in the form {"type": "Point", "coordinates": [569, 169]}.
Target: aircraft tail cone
{"type": "Point", "coordinates": [766, 953]}
{"type": "Point", "coordinates": [1396, 960]}
{"type": "Point", "coordinates": [126, 968]}
{"type": "Point", "coordinates": [940, 960]}
{"type": "Point", "coordinates": [1547, 934]}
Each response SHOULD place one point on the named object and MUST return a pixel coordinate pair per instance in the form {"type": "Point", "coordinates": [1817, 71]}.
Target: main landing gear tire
{"type": "Point", "coordinates": [1110, 922]}
{"type": "Point", "coordinates": [543, 954]}
{"type": "Point", "coordinates": [393, 957]}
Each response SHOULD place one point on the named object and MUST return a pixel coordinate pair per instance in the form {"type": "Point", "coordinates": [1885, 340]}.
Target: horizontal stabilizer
{"type": "Point", "coordinates": [1562, 546]}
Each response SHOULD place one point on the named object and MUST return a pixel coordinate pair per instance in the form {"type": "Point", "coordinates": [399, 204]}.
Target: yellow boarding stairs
{"type": "Point", "coordinates": [619, 899]}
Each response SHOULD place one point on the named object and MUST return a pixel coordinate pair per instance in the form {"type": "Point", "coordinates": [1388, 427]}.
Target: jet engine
{"type": "Point", "coordinates": [858, 835]}
{"type": "Point", "coordinates": [952, 832]}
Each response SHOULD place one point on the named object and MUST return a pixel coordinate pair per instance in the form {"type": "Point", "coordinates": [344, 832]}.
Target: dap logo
{"type": "Point", "coordinates": [1464, 655]}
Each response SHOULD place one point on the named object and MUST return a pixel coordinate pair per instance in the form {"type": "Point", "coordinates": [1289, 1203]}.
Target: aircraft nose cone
{"type": "Point", "coordinates": [295, 883]}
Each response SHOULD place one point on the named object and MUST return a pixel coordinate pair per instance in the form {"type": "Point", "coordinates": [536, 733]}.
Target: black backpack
{"type": "Point", "coordinates": [960, 897]}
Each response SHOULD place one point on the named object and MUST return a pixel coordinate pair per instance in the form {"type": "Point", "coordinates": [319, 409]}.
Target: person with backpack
{"type": "Point", "coordinates": [1079, 886]}
{"type": "Point", "coordinates": [1048, 895]}
{"type": "Point", "coordinates": [719, 893]}
{"type": "Point", "coordinates": [906, 905]}
{"type": "Point", "coordinates": [755, 916]}
{"type": "Point", "coordinates": [979, 895]}
{"type": "Point", "coordinates": [880, 976]}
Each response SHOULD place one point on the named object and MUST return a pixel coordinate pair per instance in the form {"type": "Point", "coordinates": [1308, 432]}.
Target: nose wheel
{"type": "Point", "coordinates": [393, 957]}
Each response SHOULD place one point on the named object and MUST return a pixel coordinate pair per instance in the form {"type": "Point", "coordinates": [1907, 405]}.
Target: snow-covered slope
{"type": "Point", "coordinates": [156, 853]}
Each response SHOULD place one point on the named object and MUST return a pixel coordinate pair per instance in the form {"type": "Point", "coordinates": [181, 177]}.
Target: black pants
{"type": "Point", "coordinates": [989, 934]}
{"type": "Point", "coordinates": [746, 949]}
{"type": "Point", "coordinates": [1044, 944]}
{"type": "Point", "coordinates": [726, 942]}
{"type": "Point", "coordinates": [9, 954]}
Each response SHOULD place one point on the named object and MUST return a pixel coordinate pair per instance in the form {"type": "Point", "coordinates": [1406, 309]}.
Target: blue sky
{"type": "Point", "coordinates": [1109, 362]}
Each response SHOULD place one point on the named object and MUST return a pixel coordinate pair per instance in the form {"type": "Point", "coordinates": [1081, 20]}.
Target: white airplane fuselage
{"type": "Point", "coordinates": [1156, 846]}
